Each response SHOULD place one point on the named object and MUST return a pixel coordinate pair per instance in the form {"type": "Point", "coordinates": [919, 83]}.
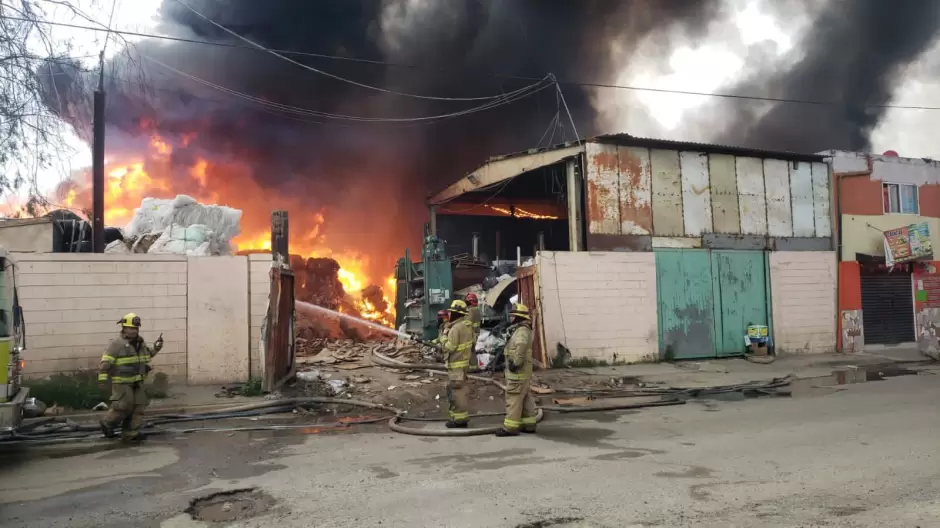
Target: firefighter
{"type": "Point", "coordinates": [126, 364]}
{"type": "Point", "coordinates": [457, 359]}
{"type": "Point", "coordinates": [473, 310]}
{"type": "Point", "coordinates": [520, 406]}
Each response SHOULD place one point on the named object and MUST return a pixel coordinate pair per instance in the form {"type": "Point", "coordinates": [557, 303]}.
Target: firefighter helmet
{"type": "Point", "coordinates": [472, 299]}
{"type": "Point", "coordinates": [520, 310]}
{"type": "Point", "coordinates": [130, 321]}
{"type": "Point", "coordinates": [458, 306]}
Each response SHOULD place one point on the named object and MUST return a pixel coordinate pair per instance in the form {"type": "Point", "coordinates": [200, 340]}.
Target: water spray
{"type": "Point", "coordinates": [356, 320]}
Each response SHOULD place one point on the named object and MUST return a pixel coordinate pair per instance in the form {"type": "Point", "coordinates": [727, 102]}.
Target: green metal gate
{"type": "Point", "coordinates": [706, 300]}
{"type": "Point", "coordinates": [740, 286]}
{"type": "Point", "coordinates": [686, 307]}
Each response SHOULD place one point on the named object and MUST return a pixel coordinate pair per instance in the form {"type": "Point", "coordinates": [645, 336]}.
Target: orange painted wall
{"type": "Point", "coordinates": [850, 292]}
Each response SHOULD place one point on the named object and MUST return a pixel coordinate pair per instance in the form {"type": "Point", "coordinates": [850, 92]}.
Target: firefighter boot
{"type": "Point", "coordinates": [502, 432]}
{"type": "Point", "coordinates": [106, 429]}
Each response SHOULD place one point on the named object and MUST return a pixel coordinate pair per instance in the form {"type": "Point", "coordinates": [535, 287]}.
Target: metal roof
{"type": "Point", "coordinates": [636, 141]}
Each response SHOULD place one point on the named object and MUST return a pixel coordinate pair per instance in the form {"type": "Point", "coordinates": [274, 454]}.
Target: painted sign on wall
{"type": "Point", "coordinates": [907, 243]}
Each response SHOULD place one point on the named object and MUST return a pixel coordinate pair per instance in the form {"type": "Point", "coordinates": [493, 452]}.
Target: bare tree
{"type": "Point", "coordinates": [41, 82]}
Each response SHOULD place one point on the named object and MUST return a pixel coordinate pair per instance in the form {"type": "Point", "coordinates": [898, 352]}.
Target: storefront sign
{"type": "Point", "coordinates": [907, 243]}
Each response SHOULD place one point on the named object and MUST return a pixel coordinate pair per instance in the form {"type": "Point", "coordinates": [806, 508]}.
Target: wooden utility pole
{"type": "Point", "coordinates": [97, 165]}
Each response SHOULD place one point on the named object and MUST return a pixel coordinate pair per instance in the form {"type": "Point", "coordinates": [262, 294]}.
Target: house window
{"type": "Point", "coordinates": [900, 198]}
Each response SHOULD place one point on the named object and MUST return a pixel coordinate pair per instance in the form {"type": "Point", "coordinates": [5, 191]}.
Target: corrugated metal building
{"type": "Point", "coordinates": [649, 248]}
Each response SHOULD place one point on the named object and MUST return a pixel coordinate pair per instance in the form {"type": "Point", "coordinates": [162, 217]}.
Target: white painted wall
{"type": "Point", "coordinates": [803, 290]}
{"type": "Point", "coordinates": [32, 235]}
{"type": "Point", "coordinates": [209, 307]}
{"type": "Point", "coordinates": [601, 305]}
{"type": "Point", "coordinates": [218, 323]}
{"type": "Point", "coordinates": [72, 303]}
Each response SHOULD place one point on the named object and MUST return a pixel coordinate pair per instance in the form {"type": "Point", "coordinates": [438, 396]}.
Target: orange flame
{"type": "Point", "coordinates": [130, 179]}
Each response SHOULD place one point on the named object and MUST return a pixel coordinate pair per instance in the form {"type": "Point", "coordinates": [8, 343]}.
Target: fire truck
{"type": "Point", "coordinates": [12, 346]}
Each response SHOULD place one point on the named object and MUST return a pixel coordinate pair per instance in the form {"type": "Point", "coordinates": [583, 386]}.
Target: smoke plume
{"type": "Point", "coordinates": [369, 180]}
{"type": "Point", "coordinates": [854, 54]}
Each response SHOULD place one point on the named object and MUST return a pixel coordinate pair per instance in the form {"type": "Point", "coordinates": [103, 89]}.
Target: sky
{"type": "Point", "coordinates": [712, 67]}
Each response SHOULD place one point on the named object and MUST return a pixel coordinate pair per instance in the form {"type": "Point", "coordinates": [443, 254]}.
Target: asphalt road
{"type": "Point", "coordinates": [865, 456]}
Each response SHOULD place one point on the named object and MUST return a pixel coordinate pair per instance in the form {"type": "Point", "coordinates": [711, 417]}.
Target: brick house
{"type": "Point", "coordinates": [647, 248]}
{"type": "Point", "coordinates": [888, 217]}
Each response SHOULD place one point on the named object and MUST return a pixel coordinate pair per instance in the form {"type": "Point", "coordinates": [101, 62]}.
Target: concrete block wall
{"type": "Point", "coordinates": [259, 287]}
{"type": "Point", "coordinates": [601, 305]}
{"type": "Point", "coordinates": [803, 291]}
{"type": "Point", "coordinates": [72, 303]}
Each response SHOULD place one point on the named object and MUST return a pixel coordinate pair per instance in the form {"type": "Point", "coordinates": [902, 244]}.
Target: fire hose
{"type": "Point", "coordinates": [59, 430]}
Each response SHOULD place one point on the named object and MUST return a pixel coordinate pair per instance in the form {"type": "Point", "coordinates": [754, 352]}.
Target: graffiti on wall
{"type": "Point", "coordinates": [927, 309]}
{"type": "Point", "coordinates": [853, 332]}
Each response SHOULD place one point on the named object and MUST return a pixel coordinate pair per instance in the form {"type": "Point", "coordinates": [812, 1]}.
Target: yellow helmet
{"type": "Point", "coordinates": [130, 321]}
{"type": "Point", "coordinates": [458, 306]}
{"type": "Point", "coordinates": [520, 310]}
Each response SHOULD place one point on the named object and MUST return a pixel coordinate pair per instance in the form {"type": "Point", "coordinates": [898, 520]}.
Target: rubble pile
{"type": "Point", "coordinates": [316, 281]}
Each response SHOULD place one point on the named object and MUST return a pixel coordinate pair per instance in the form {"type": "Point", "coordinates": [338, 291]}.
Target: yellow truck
{"type": "Point", "coordinates": [12, 346]}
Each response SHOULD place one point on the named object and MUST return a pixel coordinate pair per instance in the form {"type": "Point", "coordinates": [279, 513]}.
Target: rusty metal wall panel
{"type": "Point", "coordinates": [603, 189]}
{"type": "Point", "coordinates": [777, 193]}
{"type": "Point", "coordinates": [696, 193]}
{"type": "Point", "coordinates": [667, 193]}
{"type": "Point", "coordinates": [801, 199]}
{"type": "Point", "coordinates": [636, 213]}
{"type": "Point", "coordinates": [821, 200]}
{"type": "Point", "coordinates": [752, 204]}
{"type": "Point", "coordinates": [724, 194]}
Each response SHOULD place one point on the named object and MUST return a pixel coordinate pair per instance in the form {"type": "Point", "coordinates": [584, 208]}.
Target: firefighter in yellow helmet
{"type": "Point", "coordinates": [126, 364]}
{"type": "Point", "coordinates": [456, 349]}
{"type": "Point", "coordinates": [520, 405]}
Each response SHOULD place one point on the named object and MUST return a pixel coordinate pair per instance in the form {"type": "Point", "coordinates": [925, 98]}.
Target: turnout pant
{"type": "Point", "coordinates": [457, 395]}
{"type": "Point", "coordinates": [128, 402]}
{"type": "Point", "coordinates": [520, 406]}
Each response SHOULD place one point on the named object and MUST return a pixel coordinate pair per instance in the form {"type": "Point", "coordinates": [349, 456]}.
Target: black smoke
{"type": "Point", "coordinates": [854, 55]}
{"type": "Point", "coordinates": [371, 179]}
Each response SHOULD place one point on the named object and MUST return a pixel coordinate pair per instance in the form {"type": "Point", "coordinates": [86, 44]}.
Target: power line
{"type": "Point", "coordinates": [328, 74]}
{"type": "Point", "coordinates": [307, 112]}
{"type": "Point", "coordinates": [569, 82]}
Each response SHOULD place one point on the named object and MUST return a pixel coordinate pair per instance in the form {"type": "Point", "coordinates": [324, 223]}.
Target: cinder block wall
{"type": "Point", "coordinates": [259, 287]}
{"type": "Point", "coordinates": [803, 290]}
{"type": "Point", "coordinates": [601, 305]}
{"type": "Point", "coordinates": [72, 303]}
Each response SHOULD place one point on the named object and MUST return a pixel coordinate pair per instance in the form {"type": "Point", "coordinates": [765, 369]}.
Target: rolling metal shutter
{"type": "Point", "coordinates": [887, 309]}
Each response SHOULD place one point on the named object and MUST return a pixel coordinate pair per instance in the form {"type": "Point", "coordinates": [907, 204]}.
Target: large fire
{"type": "Point", "coordinates": [155, 170]}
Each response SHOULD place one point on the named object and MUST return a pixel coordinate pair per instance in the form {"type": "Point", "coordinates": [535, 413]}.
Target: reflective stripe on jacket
{"type": "Point", "coordinates": [458, 344]}
{"type": "Point", "coordinates": [519, 352]}
{"type": "Point", "coordinates": [125, 362]}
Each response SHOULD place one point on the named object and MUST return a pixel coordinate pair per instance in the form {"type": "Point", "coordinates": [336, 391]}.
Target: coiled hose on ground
{"type": "Point", "coordinates": [57, 430]}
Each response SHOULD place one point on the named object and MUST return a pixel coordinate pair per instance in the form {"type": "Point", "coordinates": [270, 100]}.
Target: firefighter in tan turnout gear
{"type": "Point", "coordinates": [456, 347]}
{"type": "Point", "coordinates": [126, 364]}
{"type": "Point", "coordinates": [520, 405]}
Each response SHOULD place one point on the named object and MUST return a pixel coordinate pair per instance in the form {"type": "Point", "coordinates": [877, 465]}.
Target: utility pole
{"type": "Point", "coordinates": [97, 165]}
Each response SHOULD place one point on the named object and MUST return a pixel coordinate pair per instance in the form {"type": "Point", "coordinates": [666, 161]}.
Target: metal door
{"type": "Point", "coordinates": [887, 309]}
{"type": "Point", "coordinates": [740, 286]}
{"type": "Point", "coordinates": [686, 311]}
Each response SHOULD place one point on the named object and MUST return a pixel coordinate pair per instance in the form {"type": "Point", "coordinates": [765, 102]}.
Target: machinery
{"type": "Point", "coordinates": [12, 344]}
{"type": "Point", "coordinates": [423, 288]}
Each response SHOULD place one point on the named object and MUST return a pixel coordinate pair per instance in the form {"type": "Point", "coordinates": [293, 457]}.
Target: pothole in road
{"type": "Point", "coordinates": [229, 506]}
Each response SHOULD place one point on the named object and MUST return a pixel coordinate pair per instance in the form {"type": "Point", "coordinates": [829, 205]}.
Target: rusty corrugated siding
{"type": "Point", "coordinates": [801, 199]}
{"type": "Point", "coordinates": [821, 199]}
{"type": "Point", "coordinates": [724, 194]}
{"type": "Point", "coordinates": [667, 193]}
{"type": "Point", "coordinates": [752, 202]}
{"type": "Point", "coordinates": [603, 188]}
{"type": "Point", "coordinates": [696, 193]}
{"type": "Point", "coordinates": [777, 190]}
{"type": "Point", "coordinates": [636, 213]}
